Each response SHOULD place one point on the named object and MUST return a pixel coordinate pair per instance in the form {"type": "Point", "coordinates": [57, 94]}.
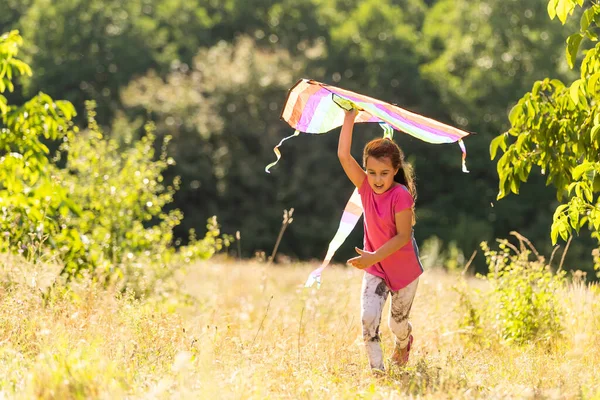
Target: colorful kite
{"type": "Point", "coordinates": [314, 107]}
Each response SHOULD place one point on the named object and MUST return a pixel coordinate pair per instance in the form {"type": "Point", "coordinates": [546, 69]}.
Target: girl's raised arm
{"type": "Point", "coordinates": [354, 172]}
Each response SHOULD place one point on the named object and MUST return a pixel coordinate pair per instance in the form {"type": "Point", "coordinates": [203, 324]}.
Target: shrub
{"type": "Point", "coordinates": [29, 192]}
{"type": "Point", "coordinates": [120, 196]}
{"type": "Point", "coordinates": [525, 302]}
{"type": "Point", "coordinates": [104, 211]}
{"type": "Point", "coordinates": [521, 304]}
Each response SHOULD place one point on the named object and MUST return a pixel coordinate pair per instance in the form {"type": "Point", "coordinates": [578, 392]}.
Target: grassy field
{"type": "Point", "coordinates": [251, 331]}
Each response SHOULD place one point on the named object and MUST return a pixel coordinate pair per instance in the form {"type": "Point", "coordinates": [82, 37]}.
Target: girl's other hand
{"type": "Point", "coordinates": [364, 260]}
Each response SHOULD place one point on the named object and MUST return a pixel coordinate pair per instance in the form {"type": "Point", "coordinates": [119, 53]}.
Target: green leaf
{"type": "Point", "coordinates": [578, 189]}
{"type": "Point", "coordinates": [591, 35]}
{"type": "Point", "coordinates": [574, 91]}
{"type": "Point", "coordinates": [594, 132]}
{"type": "Point", "coordinates": [3, 105]}
{"type": "Point", "coordinates": [536, 88]}
{"type": "Point", "coordinates": [559, 210]}
{"type": "Point", "coordinates": [571, 186]}
{"type": "Point", "coordinates": [596, 223]}
{"type": "Point", "coordinates": [573, 42]}
{"type": "Point", "coordinates": [504, 185]}
{"type": "Point", "coordinates": [557, 83]}
{"type": "Point", "coordinates": [530, 110]}
{"type": "Point", "coordinates": [514, 185]}
{"type": "Point", "coordinates": [564, 229]}
{"type": "Point", "coordinates": [592, 82]}
{"type": "Point", "coordinates": [586, 19]}
{"type": "Point", "coordinates": [515, 114]}
{"type": "Point", "coordinates": [580, 170]}
{"type": "Point", "coordinates": [552, 8]}
{"type": "Point", "coordinates": [596, 183]}
{"type": "Point", "coordinates": [563, 9]}
{"type": "Point", "coordinates": [574, 217]}
{"type": "Point", "coordinates": [587, 190]}
{"type": "Point", "coordinates": [499, 141]}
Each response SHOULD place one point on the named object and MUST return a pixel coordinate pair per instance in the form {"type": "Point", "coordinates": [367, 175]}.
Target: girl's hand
{"type": "Point", "coordinates": [364, 260]}
{"type": "Point", "coordinates": [351, 113]}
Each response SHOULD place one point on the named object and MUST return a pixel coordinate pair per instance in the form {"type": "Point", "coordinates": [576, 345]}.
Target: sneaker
{"type": "Point", "coordinates": [400, 356]}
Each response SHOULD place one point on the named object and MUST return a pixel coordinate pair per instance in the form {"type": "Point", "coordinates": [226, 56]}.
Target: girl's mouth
{"type": "Point", "coordinates": [378, 187]}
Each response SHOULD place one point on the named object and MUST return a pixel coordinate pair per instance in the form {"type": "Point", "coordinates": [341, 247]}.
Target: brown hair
{"type": "Point", "coordinates": [382, 148]}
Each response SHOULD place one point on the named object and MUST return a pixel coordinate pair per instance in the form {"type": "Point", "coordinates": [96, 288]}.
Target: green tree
{"type": "Point", "coordinates": [12, 11]}
{"type": "Point", "coordinates": [483, 53]}
{"type": "Point", "coordinates": [104, 211]}
{"type": "Point", "coordinates": [556, 128]}
{"type": "Point", "coordinates": [29, 190]}
{"type": "Point", "coordinates": [223, 115]}
{"type": "Point", "coordinates": [480, 56]}
{"type": "Point", "coordinates": [84, 49]}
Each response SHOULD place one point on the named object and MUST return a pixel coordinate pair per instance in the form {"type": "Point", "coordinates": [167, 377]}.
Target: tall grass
{"type": "Point", "coordinates": [252, 331]}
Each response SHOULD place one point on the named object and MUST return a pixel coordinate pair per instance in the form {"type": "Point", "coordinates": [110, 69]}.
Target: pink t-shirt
{"type": "Point", "coordinates": [402, 267]}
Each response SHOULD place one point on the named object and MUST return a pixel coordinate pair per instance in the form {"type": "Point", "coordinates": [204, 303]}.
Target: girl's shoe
{"type": "Point", "coordinates": [400, 356]}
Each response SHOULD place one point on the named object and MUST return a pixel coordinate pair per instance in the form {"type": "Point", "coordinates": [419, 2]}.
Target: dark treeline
{"type": "Point", "coordinates": [214, 74]}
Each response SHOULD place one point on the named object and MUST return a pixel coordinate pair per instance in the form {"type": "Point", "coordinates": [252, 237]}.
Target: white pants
{"type": "Point", "coordinates": [374, 295]}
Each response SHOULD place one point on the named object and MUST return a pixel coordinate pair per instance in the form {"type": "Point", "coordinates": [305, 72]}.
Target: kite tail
{"type": "Point", "coordinates": [388, 131]}
{"type": "Point", "coordinates": [350, 217]}
{"type": "Point", "coordinates": [277, 152]}
{"type": "Point", "coordinates": [464, 156]}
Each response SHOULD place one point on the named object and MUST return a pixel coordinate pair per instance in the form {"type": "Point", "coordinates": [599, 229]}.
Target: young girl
{"type": "Point", "coordinates": [390, 256]}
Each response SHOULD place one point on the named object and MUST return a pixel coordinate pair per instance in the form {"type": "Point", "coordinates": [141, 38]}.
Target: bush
{"type": "Point", "coordinates": [104, 211]}
{"type": "Point", "coordinates": [30, 194]}
{"type": "Point", "coordinates": [525, 301]}
{"type": "Point", "coordinates": [521, 304]}
{"type": "Point", "coordinates": [120, 196]}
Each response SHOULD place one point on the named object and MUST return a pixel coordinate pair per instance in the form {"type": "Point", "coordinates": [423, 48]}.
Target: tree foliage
{"type": "Point", "coordinates": [462, 62]}
{"type": "Point", "coordinates": [556, 128]}
{"type": "Point", "coordinates": [29, 190]}
{"type": "Point", "coordinates": [223, 115]}
{"type": "Point", "coordinates": [104, 210]}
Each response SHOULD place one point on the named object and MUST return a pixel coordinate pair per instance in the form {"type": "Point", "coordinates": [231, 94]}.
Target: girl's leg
{"type": "Point", "coordinates": [398, 321]}
{"type": "Point", "coordinates": [374, 294]}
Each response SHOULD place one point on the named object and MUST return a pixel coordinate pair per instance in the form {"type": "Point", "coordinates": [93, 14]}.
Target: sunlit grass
{"type": "Point", "coordinates": [253, 331]}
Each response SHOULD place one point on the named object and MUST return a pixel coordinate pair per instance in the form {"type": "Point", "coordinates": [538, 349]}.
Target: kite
{"type": "Point", "coordinates": [314, 107]}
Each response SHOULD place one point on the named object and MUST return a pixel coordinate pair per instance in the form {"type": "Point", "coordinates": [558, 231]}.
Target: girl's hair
{"type": "Point", "coordinates": [381, 148]}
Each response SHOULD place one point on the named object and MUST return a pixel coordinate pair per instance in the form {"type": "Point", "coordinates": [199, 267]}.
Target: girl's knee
{"type": "Point", "coordinates": [371, 333]}
{"type": "Point", "coordinates": [369, 321]}
{"type": "Point", "coordinates": [370, 325]}
{"type": "Point", "coordinates": [400, 329]}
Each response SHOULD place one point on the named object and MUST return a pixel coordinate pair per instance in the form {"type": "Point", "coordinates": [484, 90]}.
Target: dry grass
{"type": "Point", "coordinates": [254, 332]}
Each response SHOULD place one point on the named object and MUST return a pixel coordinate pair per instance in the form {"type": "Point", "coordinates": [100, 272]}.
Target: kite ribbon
{"type": "Point", "coordinates": [464, 156]}
{"type": "Point", "coordinates": [351, 215]}
{"type": "Point", "coordinates": [277, 152]}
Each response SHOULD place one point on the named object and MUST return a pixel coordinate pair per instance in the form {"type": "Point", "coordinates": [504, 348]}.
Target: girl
{"type": "Point", "coordinates": [390, 256]}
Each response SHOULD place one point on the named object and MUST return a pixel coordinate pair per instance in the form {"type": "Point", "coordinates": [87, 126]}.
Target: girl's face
{"type": "Point", "coordinates": [380, 174]}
